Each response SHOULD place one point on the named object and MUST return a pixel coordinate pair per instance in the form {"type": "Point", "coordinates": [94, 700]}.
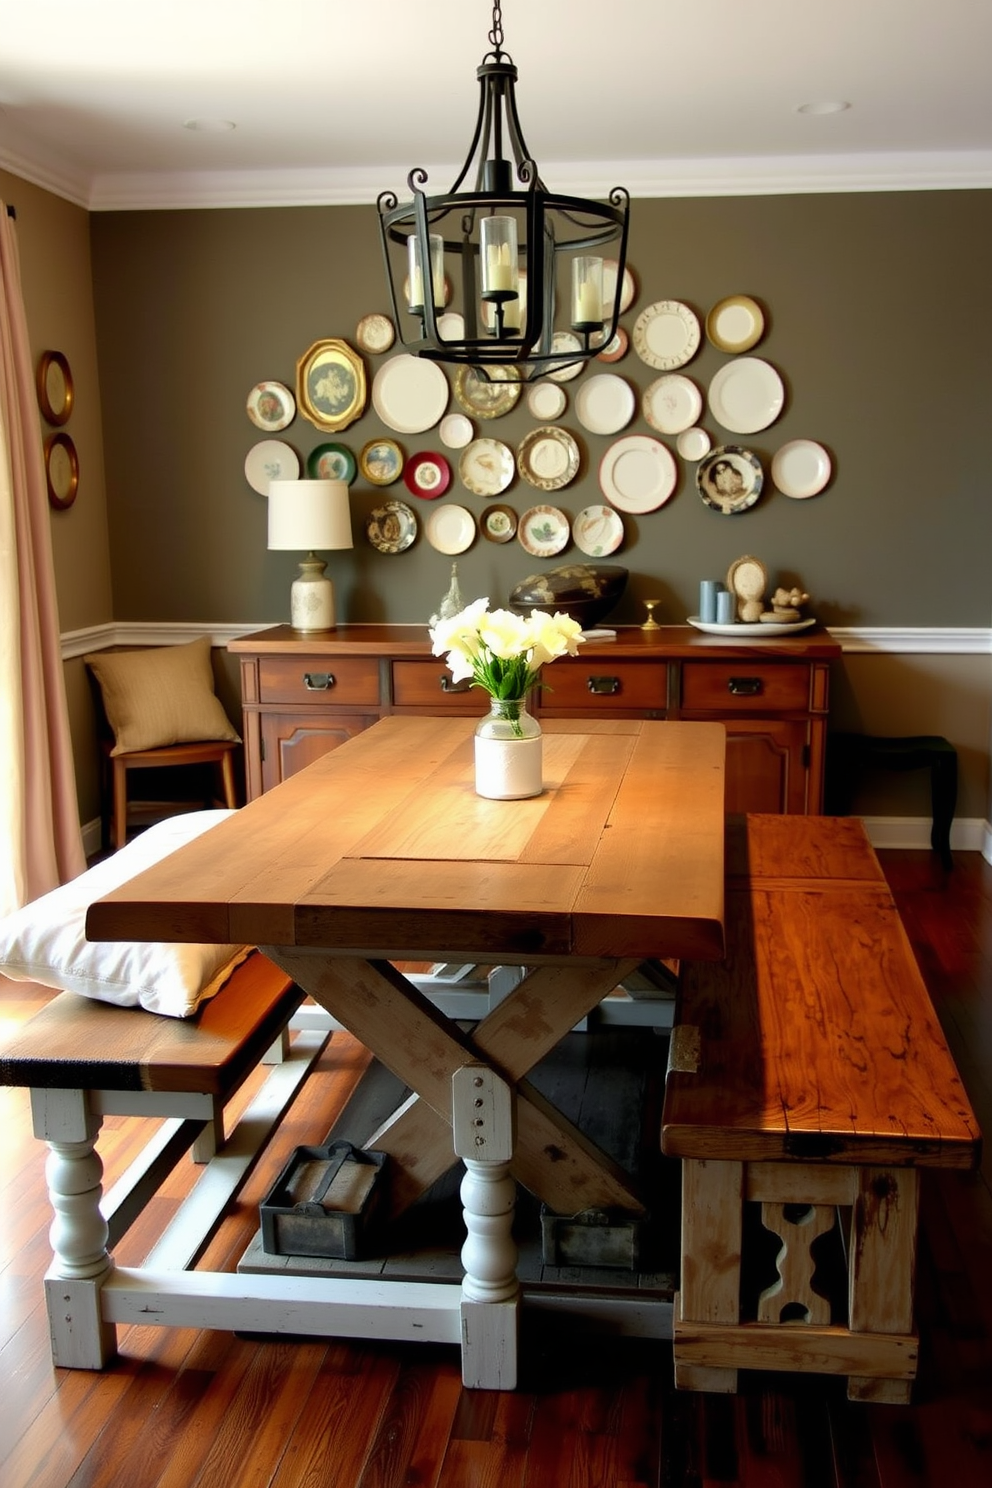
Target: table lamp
{"type": "Point", "coordinates": [310, 514]}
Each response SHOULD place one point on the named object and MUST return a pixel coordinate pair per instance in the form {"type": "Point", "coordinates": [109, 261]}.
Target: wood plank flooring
{"type": "Point", "coordinates": [183, 1409]}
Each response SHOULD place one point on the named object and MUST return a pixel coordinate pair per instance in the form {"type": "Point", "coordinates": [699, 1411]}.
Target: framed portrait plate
{"type": "Point", "coordinates": [332, 462]}
{"type": "Point", "coordinates": [730, 479]}
{"type": "Point", "coordinates": [381, 462]}
{"type": "Point", "coordinates": [330, 385]}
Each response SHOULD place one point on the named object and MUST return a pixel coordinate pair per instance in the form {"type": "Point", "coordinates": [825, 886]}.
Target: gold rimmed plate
{"type": "Point", "coordinates": [548, 458]}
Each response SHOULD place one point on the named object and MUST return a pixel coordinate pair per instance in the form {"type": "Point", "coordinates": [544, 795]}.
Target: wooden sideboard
{"type": "Point", "coordinates": [305, 694]}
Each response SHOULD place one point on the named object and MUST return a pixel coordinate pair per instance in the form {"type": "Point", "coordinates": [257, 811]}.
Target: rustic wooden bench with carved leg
{"type": "Point", "coordinates": [809, 1076]}
{"type": "Point", "coordinates": [84, 1060]}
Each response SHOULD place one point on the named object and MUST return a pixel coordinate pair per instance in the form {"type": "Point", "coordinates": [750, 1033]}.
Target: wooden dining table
{"type": "Point", "coordinates": [381, 854]}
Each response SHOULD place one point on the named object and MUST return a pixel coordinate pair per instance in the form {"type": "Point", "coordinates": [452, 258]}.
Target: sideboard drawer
{"type": "Point", "coordinates": [604, 684]}
{"type": "Point", "coordinates": [319, 679]}
{"type": "Point", "coordinates": [722, 686]}
{"type": "Point", "coordinates": [428, 684]}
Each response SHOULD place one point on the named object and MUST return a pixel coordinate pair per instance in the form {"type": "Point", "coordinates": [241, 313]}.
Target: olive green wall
{"type": "Point", "coordinates": [879, 321]}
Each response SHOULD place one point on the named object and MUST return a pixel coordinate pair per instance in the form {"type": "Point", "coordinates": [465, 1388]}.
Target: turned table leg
{"type": "Point", "coordinates": [482, 1125]}
{"type": "Point", "coordinates": [80, 1259]}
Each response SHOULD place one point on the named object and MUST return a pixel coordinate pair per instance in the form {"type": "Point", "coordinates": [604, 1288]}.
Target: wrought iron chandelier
{"type": "Point", "coordinates": [505, 276]}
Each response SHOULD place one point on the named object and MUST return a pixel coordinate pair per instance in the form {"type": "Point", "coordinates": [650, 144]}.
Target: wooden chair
{"type": "Point", "coordinates": [116, 805]}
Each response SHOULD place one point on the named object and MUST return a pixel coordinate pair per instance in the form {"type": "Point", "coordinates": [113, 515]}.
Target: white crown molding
{"type": "Point", "coordinates": [917, 640]}
{"type": "Point", "coordinates": [966, 170]}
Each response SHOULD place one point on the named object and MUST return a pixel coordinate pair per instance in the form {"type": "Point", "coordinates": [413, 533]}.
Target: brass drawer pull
{"type": "Point", "coordinates": [745, 686]}
{"type": "Point", "coordinates": [603, 686]}
{"type": "Point", "coordinates": [448, 686]}
{"type": "Point", "coordinates": [318, 681]}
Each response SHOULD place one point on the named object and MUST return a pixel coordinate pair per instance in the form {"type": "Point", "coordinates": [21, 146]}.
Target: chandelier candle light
{"type": "Point", "coordinates": [503, 653]}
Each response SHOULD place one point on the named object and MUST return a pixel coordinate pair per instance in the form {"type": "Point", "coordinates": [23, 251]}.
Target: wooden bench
{"type": "Point", "coordinates": [809, 1076]}
{"type": "Point", "coordinates": [83, 1060]}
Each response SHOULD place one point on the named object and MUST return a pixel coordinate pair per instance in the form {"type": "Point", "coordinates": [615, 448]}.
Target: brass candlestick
{"type": "Point", "coordinates": [650, 623]}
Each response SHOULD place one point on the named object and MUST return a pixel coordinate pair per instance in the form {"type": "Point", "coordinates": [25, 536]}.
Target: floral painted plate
{"type": "Point", "coordinates": [543, 531]}
{"type": "Point", "coordinates": [271, 406]}
{"type": "Point", "coordinates": [270, 459]}
{"type": "Point", "coordinates": [598, 531]}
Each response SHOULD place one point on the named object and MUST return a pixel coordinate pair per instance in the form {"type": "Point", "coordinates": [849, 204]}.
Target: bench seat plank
{"type": "Point", "coordinates": [818, 1040]}
{"type": "Point", "coordinates": [77, 1044]}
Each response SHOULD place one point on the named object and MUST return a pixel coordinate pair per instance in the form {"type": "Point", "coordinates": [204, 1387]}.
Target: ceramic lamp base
{"type": "Point", "coordinates": [311, 603]}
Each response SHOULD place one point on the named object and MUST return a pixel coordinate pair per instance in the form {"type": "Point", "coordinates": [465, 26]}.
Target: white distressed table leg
{"type": "Point", "coordinates": [882, 1268]}
{"type": "Point", "coordinates": [80, 1259]}
{"type": "Point", "coordinates": [482, 1124]}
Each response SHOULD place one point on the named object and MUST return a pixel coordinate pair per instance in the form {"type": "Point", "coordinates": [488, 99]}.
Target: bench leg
{"type": "Point", "coordinates": [712, 1209]}
{"type": "Point", "coordinates": [80, 1259]}
{"type": "Point", "coordinates": [882, 1268]}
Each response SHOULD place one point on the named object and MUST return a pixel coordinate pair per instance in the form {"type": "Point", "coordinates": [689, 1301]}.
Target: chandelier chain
{"type": "Point", "coordinates": [496, 31]}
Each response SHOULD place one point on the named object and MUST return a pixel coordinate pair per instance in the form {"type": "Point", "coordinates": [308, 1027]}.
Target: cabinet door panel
{"type": "Point", "coordinates": [290, 742]}
{"type": "Point", "coordinates": [766, 766]}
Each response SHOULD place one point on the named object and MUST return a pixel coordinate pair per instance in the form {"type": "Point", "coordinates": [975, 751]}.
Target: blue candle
{"type": "Point", "coordinates": [708, 589]}
{"type": "Point", "coordinates": [725, 608]}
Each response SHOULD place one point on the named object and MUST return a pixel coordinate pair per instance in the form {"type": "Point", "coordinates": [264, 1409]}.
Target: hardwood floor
{"type": "Point", "coordinates": [181, 1408]}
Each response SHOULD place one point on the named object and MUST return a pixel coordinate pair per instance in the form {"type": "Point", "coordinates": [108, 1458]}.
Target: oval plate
{"type": "Point", "coordinates": [391, 527]}
{"type": "Point", "coordinates": [543, 531]}
{"type": "Point", "coordinates": [548, 458]}
{"type": "Point", "coordinates": [730, 479]}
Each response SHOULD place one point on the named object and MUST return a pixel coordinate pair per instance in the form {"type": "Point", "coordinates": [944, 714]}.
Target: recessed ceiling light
{"type": "Point", "coordinates": [210, 126]}
{"type": "Point", "coordinates": [828, 106]}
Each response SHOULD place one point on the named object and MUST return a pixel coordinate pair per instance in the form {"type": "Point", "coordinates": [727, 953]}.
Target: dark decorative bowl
{"type": "Point", "coordinates": [586, 591]}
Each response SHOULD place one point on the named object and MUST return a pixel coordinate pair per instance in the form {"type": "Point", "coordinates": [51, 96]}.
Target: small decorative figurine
{"type": "Point", "coordinates": [785, 606]}
{"type": "Point", "coordinates": [747, 579]}
{"type": "Point", "coordinates": [452, 603]}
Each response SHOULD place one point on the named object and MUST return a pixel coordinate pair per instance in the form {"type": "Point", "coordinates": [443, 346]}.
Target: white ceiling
{"type": "Point", "coordinates": [335, 100]}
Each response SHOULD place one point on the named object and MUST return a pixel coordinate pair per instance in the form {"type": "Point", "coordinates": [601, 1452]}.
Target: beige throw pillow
{"type": "Point", "coordinates": [164, 695]}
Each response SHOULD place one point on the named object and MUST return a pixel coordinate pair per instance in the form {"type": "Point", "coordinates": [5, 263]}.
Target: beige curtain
{"type": "Point", "coordinates": [40, 841]}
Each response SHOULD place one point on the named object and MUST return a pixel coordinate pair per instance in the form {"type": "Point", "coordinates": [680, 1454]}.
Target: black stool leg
{"type": "Point", "coordinates": [943, 798]}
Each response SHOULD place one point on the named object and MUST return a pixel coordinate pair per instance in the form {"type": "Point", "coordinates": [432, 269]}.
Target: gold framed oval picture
{"type": "Point", "coordinates": [330, 385]}
{"type": "Point", "coordinates": [62, 470]}
{"type": "Point", "coordinates": [55, 390]}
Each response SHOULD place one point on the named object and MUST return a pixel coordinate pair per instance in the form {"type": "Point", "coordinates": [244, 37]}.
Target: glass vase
{"type": "Point", "coordinates": [508, 752]}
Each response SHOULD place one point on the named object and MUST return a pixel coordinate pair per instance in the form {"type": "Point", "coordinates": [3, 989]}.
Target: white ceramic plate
{"type": "Point", "coordinates": [268, 460]}
{"type": "Point", "coordinates": [771, 628]}
{"type": "Point", "coordinates": [637, 474]}
{"type": "Point", "coordinates": [566, 341]}
{"type": "Point", "coordinates": [666, 335]}
{"type": "Point", "coordinates": [391, 527]}
{"type": "Point", "coordinates": [543, 531]}
{"type": "Point", "coordinates": [693, 444]}
{"type": "Point", "coordinates": [730, 479]}
{"type": "Point", "coordinates": [546, 400]}
{"type": "Point", "coordinates": [451, 326]}
{"type": "Point", "coordinates": [746, 395]}
{"type": "Point", "coordinates": [375, 333]}
{"type": "Point", "coordinates": [409, 393]}
{"type": "Point", "coordinates": [627, 289]}
{"type": "Point", "coordinates": [271, 406]}
{"type": "Point", "coordinates": [605, 404]}
{"type": "Point", "coordinates": [672, 403]}
{"type": "Point", "coordinates": [456, 430]}
{"type": "Point", "coordinates": [801, 468]}
{"type": "Point", "coordinates": [548, 458]}
{"type": "Point", "coordinates": [450, 529]}
{"type": "Point", "coordinates": [598, 531]}
{"type": "Point", "coordinates": [735, 324]}
{"type": "Point", "coordinates": [486, 467]}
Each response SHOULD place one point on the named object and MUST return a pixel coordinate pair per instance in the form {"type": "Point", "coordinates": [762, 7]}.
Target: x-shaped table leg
{"type": "Point", "coordinates": [424, 1049]}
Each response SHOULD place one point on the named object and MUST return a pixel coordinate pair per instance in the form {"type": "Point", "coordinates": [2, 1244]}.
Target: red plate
{"type": "Point", "coordinates": [427, 475]}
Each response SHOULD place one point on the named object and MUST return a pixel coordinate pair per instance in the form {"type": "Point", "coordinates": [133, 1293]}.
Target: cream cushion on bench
{"type": "Point", "coordinates": [46, 941]}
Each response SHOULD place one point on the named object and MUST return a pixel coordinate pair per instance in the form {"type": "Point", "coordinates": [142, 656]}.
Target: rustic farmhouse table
{"type": "Point", "coordinates": [381, 852]}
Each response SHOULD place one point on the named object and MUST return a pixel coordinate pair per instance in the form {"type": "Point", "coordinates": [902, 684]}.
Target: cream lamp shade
{"type": "Point", "coordinates": [306, 515]}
